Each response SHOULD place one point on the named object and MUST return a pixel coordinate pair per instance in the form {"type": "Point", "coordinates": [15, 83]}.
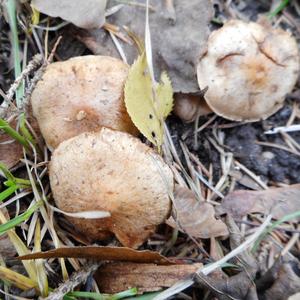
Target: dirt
{"type": "Point", "coordinates": [271, 164]}
{"type": "Point", "coordinates": [274, 166]}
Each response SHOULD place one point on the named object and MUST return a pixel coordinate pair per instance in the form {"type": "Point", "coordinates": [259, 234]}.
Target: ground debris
{"type": "Point", "coordinates": [82, 13]}
{"type": "Point", "coordinates": [117, 277]}
{"type": "Point", "coordinates": [178, 39]}
{"type": "Point", "coordinates": [277, 201]}
{"type": "Point", "coordinates": [196, 218]}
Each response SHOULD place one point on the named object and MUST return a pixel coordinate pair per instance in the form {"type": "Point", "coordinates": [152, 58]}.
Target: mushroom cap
{"type": "Point", "coordinates": [115, 172]}
{"type": "Point", "coordinates": [79, 95]}
{"type": "Point", "coordinates": [189, 107]}
{"type": "Point", "coordinates": [248, 69]}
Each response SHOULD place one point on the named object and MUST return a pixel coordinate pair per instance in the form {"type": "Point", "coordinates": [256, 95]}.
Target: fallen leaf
{"type": "Point", "coordinates": [277, 201]}
{"type": "Point", "coordinates": [245, 180]}
{"type": "Point", "coordinates": [7, 249]}
{"type": "Point", "coordinates": [146, 110]}
{"type": "Point", "coordinates": [281, 281]}
{"type": "Point", "coordinates": [178, 36]}
{"type": "Point", "coordinates": [102, 253]}
{"type": "Point", "coordinates": [83, 13]}
{"type": "Point", "coordinates": [164, 93]}
{"type": "Point", "coordinates": [196, 218]}
{"type": "Point", "coordinates": [240, 285]}
{"type": "Point", "coordinates": [117, 277]}
{"type": "Point", "coordinates": [10, 150]}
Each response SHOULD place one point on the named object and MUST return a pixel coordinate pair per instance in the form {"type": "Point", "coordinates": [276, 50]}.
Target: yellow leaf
{"type": "Point", "coordinates": [164, 94]}
{"type": "Point", "coordinates": [35, 17]}
{"type": "Point", "coordinates": [147, 105]}
{"type": "Point", "coordinates": [139, 101]}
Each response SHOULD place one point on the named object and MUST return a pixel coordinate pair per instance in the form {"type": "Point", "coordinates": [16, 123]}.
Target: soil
{"type": "Point", "coordinates": [274, 166]}
{"type": "Point", "coordinates": [271, 164]}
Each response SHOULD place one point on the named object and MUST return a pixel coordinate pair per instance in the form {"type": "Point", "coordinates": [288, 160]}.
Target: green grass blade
{"type": "Point", "coordinates": [286, 218]}
{"type": "Point", "coordinates": [278, 9]}
{"type": "Point", "coordinates": [6, 172]}
{"type": "Point", "coordinates": [88, 295]}
{"type": "Point", "coordinates": [6, 193]}
{"type": "Point", "coordinates": [25, 132]}
{"type": "Point", "coordinates": [12, 19]}
{"type": "Point", "coordinates": [97, 296]}
{"type": "Point", "coordinates": [23, 182]}
{"type": "Point", "coordinates": [146, 296]}
{"type": "Point", "coordinates": [13, 133]}
{"type": "Point", "coordinates": [19, 219]}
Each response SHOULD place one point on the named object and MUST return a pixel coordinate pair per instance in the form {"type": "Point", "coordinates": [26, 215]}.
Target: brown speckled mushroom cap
{"type": "Point", "coordinates": [112, 171]}
{"type": "Point", "coordinates": [79, 95]}
{"type": "Point", "coordinates": [248, 69]}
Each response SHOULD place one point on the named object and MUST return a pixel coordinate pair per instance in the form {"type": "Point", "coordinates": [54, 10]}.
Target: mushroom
{"type": "Point", "coordinates": [248, 68]}
{"type": "Point", "coordinates": [115, 172]}
{"type": "Point", "coordinates": [79, 95]}
{"type": "Point", "coordinates": [189, 107]}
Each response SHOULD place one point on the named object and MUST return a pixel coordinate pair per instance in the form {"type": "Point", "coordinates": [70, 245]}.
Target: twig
{"type": "Point", "coordinates": [290, 243]}
{"type": "Point", "coordinates": [76, 279]}
{"type": "Point", "coordinates": [33, 64]}
{"type": "Point", "coordinates": [38, 75]}
{"type": "Point", "coordinates": [291, 128]}
{"type": "Point", "coordinates": [273, 145]}
{"type": "Point", "coordinates": [251, 175]}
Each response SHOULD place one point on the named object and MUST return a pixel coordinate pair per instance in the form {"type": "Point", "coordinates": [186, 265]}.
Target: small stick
{"type": "Point", "coordinates": [39, 74]}
{"type": "Point", "coordinates": [266, 144]}
{"type": "Point", "coordinates": [76, 279]}
{"type": "Point", "coordinates": [251, 174]}
{"type": "Point", "coordinates": [33, 64]}
{"type": "Point", "coordinates": [291, 128]}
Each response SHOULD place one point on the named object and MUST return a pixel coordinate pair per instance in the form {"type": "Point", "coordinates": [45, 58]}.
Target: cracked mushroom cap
{"type": "Point", "coordinates": [115, 172]}
{"type": "Point", "coordinates": [249, 69]}
{"type": "Point", "coordinates": [79, 95]}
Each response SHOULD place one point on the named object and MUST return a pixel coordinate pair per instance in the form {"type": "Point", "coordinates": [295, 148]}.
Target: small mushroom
{"type": "Point", "coordinates": [115, 172]}
{"type": "Point", "coordinates": [79, 95]}
{"type": "Point", "coordinates": [189, 107]}
{"type": "Point", "coordinates": [249, 69]}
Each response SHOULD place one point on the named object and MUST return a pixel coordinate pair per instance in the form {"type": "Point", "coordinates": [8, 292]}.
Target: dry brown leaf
{"type": "Point", "coordinates": [7, 248]}
{"type": "Point", "coordinates": [281, 280]}
{"type": "Point", "coordinates": [117, 277]}
{"type": "Point", "coordinates": [83, 13]}
{"type": "Point", "coordinates": [102, 253]}
{"type": "Point", "coordinates": [10, 150]}
{"type": "Point", "coordinates": [196, 218]}
{"type": "Point", "coordinates": [176, 48]}
{"type": "Point", "coordinates": [277, 201]}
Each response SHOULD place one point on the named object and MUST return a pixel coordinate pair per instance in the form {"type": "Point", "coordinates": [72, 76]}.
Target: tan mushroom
{"type": "Point", "coordinates": [79, 95]}
{"type": "Point", "coordinates": [115, 172]}
{"type": "Point", "coordinates": [189, 107]}
{"type": "Point", "coordinates": [249, 69]}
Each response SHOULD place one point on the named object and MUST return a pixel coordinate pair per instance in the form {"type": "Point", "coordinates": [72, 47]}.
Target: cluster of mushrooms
{"type": "Point", "coordinates": [98, 163]}
{"type": "Point", "coordinates": [248, 68]}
